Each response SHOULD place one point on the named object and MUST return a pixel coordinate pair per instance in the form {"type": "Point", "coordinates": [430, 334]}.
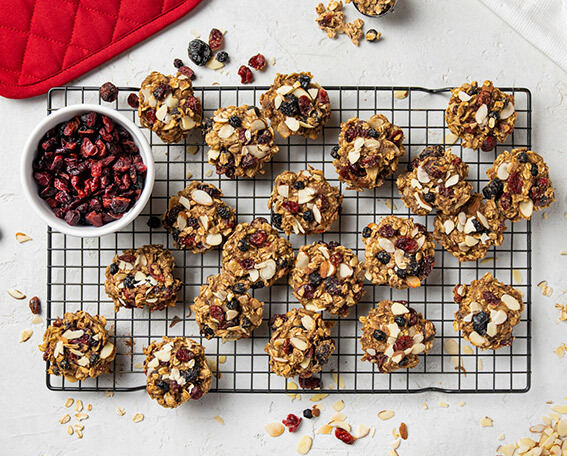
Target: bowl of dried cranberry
{"type": "Point", "coordinates": [87, 170]}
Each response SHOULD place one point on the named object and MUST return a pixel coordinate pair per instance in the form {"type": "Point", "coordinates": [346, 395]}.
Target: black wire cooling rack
{"type": "Point", "coordinates": [75, 274]}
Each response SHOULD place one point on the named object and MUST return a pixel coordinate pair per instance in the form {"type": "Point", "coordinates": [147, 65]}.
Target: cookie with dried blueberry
{"type": "Point", "coordinates": [488, 312]}
{"type": "Point", "coordinates": [304, 202]}
{"type": "Point", "coordinates": [220, 312]}
{"type": "Point", "coordinates": [142, 278]}
{"type": "Point", "coordinates": [255, 255]}
{"type": "Point", "coordinates": [398, 252]}
{"type": "Point", "coordinates": [296, 105]}
{"type": "Point", "coordinates": [369, 152]}
{"type": "Point", "coordinates": [394, 334]}
{"type": "Point", "coordinates": [472, 231]}
{"type": "Point", "coordinates": [198, 218]}
{"type": "Point", "coordinates": [300, 343]}
{"type": "Point", "coordinates": [519, 184]}
{"type": "Point", "coordinates": [436, 179]}
{"type": "Point", "coordinates": [78, 346]}
{"type": "Point", "coordinates": [481, 116]}
{"type": "Point", "coordinates": [327, 276]}
{"type": "Point", "coordinates": [168, 106]}
{"type": "Point", "coordinates": [176, 370]}
{"type": "Point", "coordinates": [240, 141]}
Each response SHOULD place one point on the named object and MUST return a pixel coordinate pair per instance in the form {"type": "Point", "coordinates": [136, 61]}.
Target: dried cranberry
{"type": "Point", "coordinates": [323, 96]}
{"type": "Point", "coordinates": [94, 218]}
{"type": "Point", "coordinates": [291, 206]}
{"type": "Point", "coordinates": [217, 313]}
{"type": "Point", "coordinates": [194, 104]}
{"type": "Point", "coordinates": [257, 238]}
{"type": "Point", "coordinates": [247, 263]}
{"type": "Point", "coordinates": [246, 76]}
{"type": "Point", "coordinates": [196, 392]}
{"type": "Point", "coordinates": [72, 217]}
{"type": "Point", "coordinates": [386, 231]}
{"type": "Point", "coordinates": [515, 183]}
{"type": "Point", "coordinates": [108, 92]}
{"type": "Point", "coordinates": [344, 436]}
{"type": "Point", "coordinates": [216, 39]}
{"type": "Point", "coordinates": [249, 161]}
{"type": "Point", "coordinates": [186, 71]}
{"type": "Point", "coordinates": [151, 116]}
{"type": "Point", "coordinates": [506, 201]}
{"type": "Point", "coordinates": [407, 244]}
{"type": "Point", "coordinates": [305, 105]}
{"type": "Point", "coordinates": [336, 258]}
{"type": "Point", "coordinates": [161, 91]}
{"type": "Point", "coordinates": [488, 144]}
{"type": "Point", "coordinates": [403, 343]}
{"type": "Point", "coordinates": [183, 355]}
{"type": "Point", "coordinates": [310, 382]}
{"type": "Point", "coordinates": [258, 62]}
{"type": "Point", "coordinates": [35, 305]}
{"type": "Point", "coordinates": [490, 298]}
{"type": "Point", "coordinates": [308, 291]}
{"type": "Point", "coordinates": [292, 422]}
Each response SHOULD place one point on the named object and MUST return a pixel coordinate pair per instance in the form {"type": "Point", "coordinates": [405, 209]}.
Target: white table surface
{"type": "Point", "coordinates": [432, 43]}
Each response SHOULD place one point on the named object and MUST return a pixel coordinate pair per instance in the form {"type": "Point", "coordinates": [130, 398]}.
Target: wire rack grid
{"type": "Point", "coordinates": [75, 275]}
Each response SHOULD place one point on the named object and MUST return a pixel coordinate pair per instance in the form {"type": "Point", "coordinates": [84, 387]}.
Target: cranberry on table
{"type": "Point", "coordinates": [258, 62]}
{"type": "Point", "coordinates": [216, 39]}
{"type": "Point", "coordinates": [108, 92]}
{"type": "Point", "coordinates": [246, 76]}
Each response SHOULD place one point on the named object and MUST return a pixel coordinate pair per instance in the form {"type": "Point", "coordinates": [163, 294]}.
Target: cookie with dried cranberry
{"type": "Point", "coordinates": [255, 255]}
{"type": "Point", "coordinates": [304, 203]}
{"type": "Point", "coordinates": [394, 334]}
{"type": "Point", "coordinates": [488, 312]}
{"type": "Point", "coordinates": [78, 346]}
{"type": "Point", "coordinates": [519, 184]}
{"type": "Point", "coordinates": [240, 141]}
{"type": "Point", "coordinates": [398, 252]}
{"type": "Point", "coordinates": [198, 218]}
{"type": "Point", "coordinates": [327, 276]}
{"type": "Point", "coordinates": [373, 7]}
{"type": "Point", "coordinates": [368, 152]}
{"type": "Point", "coordinates": [220, 312]}
{"type": "Point", "coordinates": [331, 19]}
{"type": "Point", "coordinates": [296, 105]}
{"type": "Point", "coordinates": [176, 370]}
{"type": "Point", "coordinates": [168, 106]}
{"type": "Point", "coordinates": [436, 179]}
{"type": "Point", "coordinates": [142, 278]}
{"type": "Point", "coordinates": [481, 116]}
{"type": "Point", "coordinates": [300, 344]}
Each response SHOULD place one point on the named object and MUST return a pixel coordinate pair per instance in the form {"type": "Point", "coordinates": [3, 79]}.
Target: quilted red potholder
{"type": "Point", "coordinates": [46, 43]}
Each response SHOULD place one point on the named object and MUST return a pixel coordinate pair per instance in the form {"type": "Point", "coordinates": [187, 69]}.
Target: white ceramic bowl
{"type": "Point", "coordinates": [30, 186]}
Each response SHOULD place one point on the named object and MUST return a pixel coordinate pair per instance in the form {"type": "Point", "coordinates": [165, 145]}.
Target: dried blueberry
{"type": "Point", "coordinates": [335, 152]}
{"type": "Point", "coordinates": [177, 63]}
{"type": "Point", "coordinates": [299, 185]}
{"type": "Point", "coordinates": [222, 56]}
{"type": "Point", "coordinates": [523, 157]}
{"type": "Point", "coordinates": [477, 226]}
{"type": "Point", "coordinates": [401, 273]}
{"type": "Point", "coordinates": [379, 335]}
{"type": "Point", "coordinates": [129, 281]}
{"type": "Point", "coordinates": [480, 321]}
{"type": "Point", "coordinates": [366, 232]}
{"type": "Point", "coordinates": [383, 257]}
{"type": "Point", "coordinates": [281, 263]}
{"type": "Point", "coordinates": [162, 385]}
{"type": "Point", "coordinates": [277, 220]}
{"type": "Point", "coordinates": [239, 288]}
{"type": "Point", "coordinates": [113, 269]}
{"type": "Point", "coordinates": [257, 285]}
{"type": "Point", "coordinates": [235, 121]}
{"type": "Point", "coordinates": [308, 216]}
{"type": "Point", "coordinates": [400, 321]}
{"type": "Point", "coordinates": [373, 133]}
{"type": "Point", "coordinates": [207, 331]}
{"type": "Point", "coordinates": [233, 304]}
{"type": "Point", "coordinates": [534, 170]}
{"type": "Point", "coordinates": [308, 413]}
{"type": "Point", "coordinates": [304, 81]}
{"type": "Point", "coordinates": [190, 375]}
{"type": "Point", "coordinates": [493, 189]}
{"type": "Point", "coordinates": [224, 212]}
{"type": "Point", "coordinates": [243, 245]}
{"type": "Point", "coordinates": [290, 106]}
{"type": "Point", "coordinates": [199, 52]}
{"type": "Point", "coordinates": [429, 197]}
{"type": "Point", "coordinates": [154, 222]}
{"type": "Point", "coordinates": [245, 323]}
{"type": "Point", "coordinates": [315, 279]}
{"type": "Point", "coordinates": [333, 285]}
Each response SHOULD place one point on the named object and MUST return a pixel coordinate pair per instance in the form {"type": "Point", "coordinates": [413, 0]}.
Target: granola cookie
{"type": "Point", "coordinates": [296, 105]}
{"type": "Point", "coordinates": [481, 117]}
{"type": "Point", "coordinates": [488, 312]}
{"type": "Point", "coordinates": [469, 234]}
{"type": "Point", "coordinates": [327, 276]}
{"type": "Point", "coordinates": [176, 370]}
{"type": "Point", "coordinates": [436, 179]}
{"type": "Point", "coordinates": [300, 344]}
{"type": "Point", "coordinates": [255, 255]}
{"type": "Point", "coordinates": [78, 346]}
{"type": "Point", "coordinates": [142, 278]}
{"type": "Point", "coordinates": [398, 252]}
{"type": "Point", "coordinates": [304, 203]}
{"type": "Point", "coordinates": [373, 7]}
{"type": "Point", "coordinates": [331, 19]}
{"type": "Point", "coordinates": [368, 152]}
{"type": "Point", "coordinates": [354, 31]}
{"type": "Point", "coordinates": [198, 219]}
{"type": "Point", "coordinates": [221, 313]}
{"type": "Point", "coordinates": [393, 334]}
{"type": "Point", "coordinates": [168, 107]}
{"type": "Point", "coordinates": [519, 184]}
{"type": "Point", "coordinates": [240, 141]}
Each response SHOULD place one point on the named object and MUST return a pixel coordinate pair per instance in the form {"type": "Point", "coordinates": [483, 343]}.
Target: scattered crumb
{"type": "Point", "coordinates": [222, 359]}
{"type": "Point", "coordinates": [22, 237]}
{"type": "Point", "coordinates": [425, 406]}
{"type": "Point", "coordinates": [318, 397]}
{"type": "Point", "coordinates": [487, 260]}
{"type": "Point", "coordinates": [272, 61]}
{"type": "Point", "coordinates": [174, 321]}
{"type": "Point", "coordinates": [26, 334]}
{"type": "Point", "coordinates": [462, 404]}
{"type": "Point", "coordinates": [218, 419]}
{"type": "Point", "coordinates": [486, 422]}
{"type": "Point", "coordinates": [560, 351]}
{"type": "Point", "coordinates": [545, 289]}
{"type": "Point", "coordinates": [403, 431]}
{"type": "Point", "coordinates": [339, 405]}
{"type": "Point", "coordinates": [501, 436]}
{"type": "Point", "coordinates": [120, 411]}
{"type": "Point", "coordinates": [401, 94]}
{"type": "Point", "coordinates": [443, 404]}
{"type": "Point", "coordinates": [138, 417]}
{"type": "Point", "coordinates": [189, 174]}
{"type": "Point", "coordinates": [192, 149]}
{"type": "Point", "coordinates": [209, 173]}
{"type": "Point", "coordinates": [517, 276]}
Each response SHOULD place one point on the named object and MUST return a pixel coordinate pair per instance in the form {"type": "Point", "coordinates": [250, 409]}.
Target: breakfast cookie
{"type": "Point", "coordinates": [327, 276]}
{"type": "Point", "coordinates": [304, 203]}
{"type": "Point", "coordinates": [368, 152]}
{"type": "Point", "coordinates": [488, 312]}
{"type": "Point", "coordinates": [296, 105]}
{"type": "Point", "coordinates": [436, 179]}
{"type": "Point", "coordinates": [373, 7]}
{"type": "Point", "coordinates": [176, 370]}
{"type": "Point", "coordinates": [300, 344]}
{"type": "Point", "coordinates": [519, 184]}
{"type": "Point", "coordinates": [481, 116]}
{"type": "Point", "coordinates": [398, 252]}
{"type": "Point", "coordinates": [78, 346]}
{"type": "Point", "coordinates": [393, 334]}
{"type": "Point", "coordinates": [142, 278]}
{"type": "Point", "coordinates": [331, 19]}
{"type": "Point", "coordinates": [198, 218]}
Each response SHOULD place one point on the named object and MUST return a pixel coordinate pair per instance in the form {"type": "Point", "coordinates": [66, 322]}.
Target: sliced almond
{"type": "Point", "coordinates": [213, 239]}
{"type": "Point", "coordinates": [16, 294]}
{"type": "Point", "coordinates": [304, 444]}
{"type": "Point", "coordinates": [284, 90]}
{"type": "Point", "coordinates": [274, 429]}
{"type": "Point", "coordinates": [339, 405]}
{"type": "Point", "coordinates": [26, 334]}
{"type": "Point", "coordinates": [502, 171]}
{"type": "Point", "coordinates": [477, 339]}
{"type": "Point", "coordinates": [510, 302]}
{"type": "Point", "coordinates": [308, 322]}
{"type": "Point", "coordinates": [399, 309]}
{"type": "Point", "coordinates": [449, 226]}
{"type": "Point", "coordinates": [292, 123]}
{"type": "Point", "coordinates": [302, 260]}
{"type": "Point", "coordinates": [107, 350]}
{"type": "Point", "coordinates": [469, 226]}
{"type": "Point", "coordinates": [471, 241]}
{"type": "Point", "coordinates": [481, 114]}
{"type": "Point", "coordinates": [201, 197]}
{"type": "Point", "coordinates": [354, 156]}
{"type": "Point", "coordinates": [453, 180]}
{"type": "Point", "coordinates": [527, 208]}
{"type": "Point", "coordinates": [268, 270]}
{"type": "Point", "coordinates": [231, 314]}
{"type": "Point", "coordinates": [401, 94]}
{"type": "Point", "coordinates": [283, 190]}
{"type": "Point", "coordinates": [345, 271]}
{"type": "Point", "coordinates": [22, 237]}
{"type": "Point", "coordinates": [508, 110]}
{"type": "Point", "coordinates": [305, 195]}
{"type": "Point", "coordinates": [499, 317]}
{"type": "Point", "coordinates": [386, 414]}
{"type": "Point", "coordinates": [422, 175]}
{"type": "Point", "coordinates": [317, 214]}
{"type": "Point", "coordinates": [298, 343]}
{"type": "Point", "coordinates": [325, 429]}
{"type": "Point", "coordinates": [387, 245]}
{"type": "Point", "coordinates": [362, 431]}
{"type": "Point", "coordinates": [226, 131]}
{"type": "Point", "coordinates": [326, 269]}
{"type": "Point", "coordinates": [185, 203]}
{"type": "Point", "coordinates": [464, 96]}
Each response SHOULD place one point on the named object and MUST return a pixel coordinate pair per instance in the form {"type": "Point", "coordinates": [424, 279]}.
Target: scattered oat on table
{"type": "Point", "coordinates": [26, 334]}
{"type": "Point", "coordinates": [22, 237]}
{"type": "Point", "coordinates": [401, 94]}
{"type": "Point", "coordinates": [218, 419]}
{"type": "Point", "coordinates": [138, 417]}
{"type": "Point", "coordinates": [79, 406]}
{"type": "Point", "coordinates": [443, 404]}
{"type": "Point", "coordinates": [560, 351]}
{"type": "Point", "coordinates": [386, 414]}
{"type": "Point", "coordinates": [65, 419]}
{"type": "Point", "coordinates": [545, 289]}
{"type": "Point", "coordinates": [69, 402]}
{"type": "Point", "coordinates": [120, 411]}
{"type": "Point", "coordinates": [16, 294]}
{"type": "Point", "coordinates": [486, 422]}
{"type": "Point", "coordinates": [339, 405]}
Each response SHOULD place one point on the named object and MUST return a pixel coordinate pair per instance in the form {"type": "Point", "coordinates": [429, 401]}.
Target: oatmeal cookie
{"type": "Point", "coordinates": [78, 346]}
{"type": "Point", "coordinates": [368, 152]}
{"type": "Point", "coordinates": [488, 312]}
{"type": "Point", "coordinates": [221, 313]}
{"type": "Point", "coordinates": [398, 252]}
{"type": "Point", "coordinates": [373, 7]}
{"type": "Point", "coordinates": [296, 105]}
{"type": "Point", "coordinates": [331, 19]}
{"type": "Point", "coordinates": [469, 234]}
{"type": "Point", "coordinates": [519, 184]}
{"type": "Point", "coordinates": [240, 141]}
{"type": "Point", "coordinates": [168, 107]}
{"type": "Point", "coordinates": [142, 278]}
{"type": "Point", "coordinates": [176, 370]}
{"type": "Point", "coordinates": [300, 344]}
{"type": "Point", "coordinates": [393, 334]}
{"type": "Point", "coordinates": [436, 179]}
{"type": "Point", "coordinates": [256, 256]}
{"type": "Point", "coordinates": [304, 203]}
{"type": "Point", "coordinates": [198, 219]}
{"type": "Point", "coordinates": [481, 117]}
{"type": "Point", "coordinates": [327, 276]}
